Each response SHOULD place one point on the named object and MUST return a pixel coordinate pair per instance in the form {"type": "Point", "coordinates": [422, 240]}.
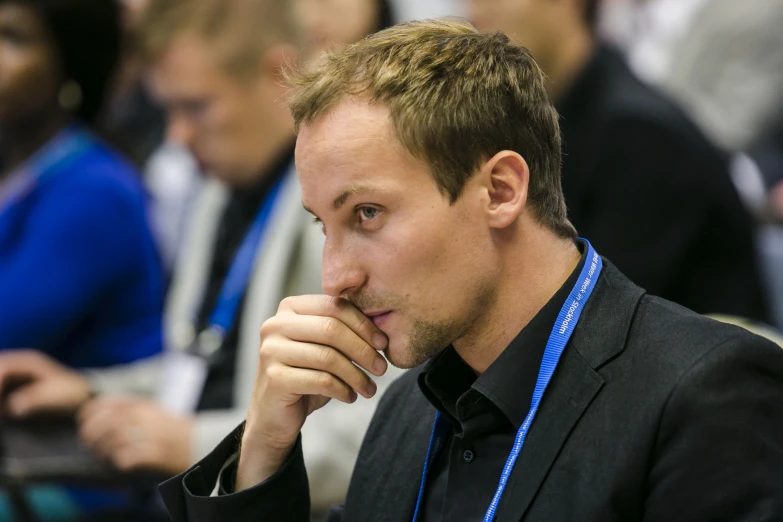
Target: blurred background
{"type": "Point", "coordinates": [150, 219]}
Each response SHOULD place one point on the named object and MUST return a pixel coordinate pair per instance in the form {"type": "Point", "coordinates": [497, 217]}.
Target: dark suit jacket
{"type": "Point", "coordinates": [651, 194]}
{"type": "Point", "coordinates": [654, 414]}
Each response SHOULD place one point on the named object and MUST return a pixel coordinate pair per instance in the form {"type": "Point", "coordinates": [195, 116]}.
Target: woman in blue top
{"type": "Point", "coordinates": [79, 275]}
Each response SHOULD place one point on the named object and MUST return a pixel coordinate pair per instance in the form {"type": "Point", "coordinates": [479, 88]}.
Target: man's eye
{"type": "Point", "coordinates": [368, 213]}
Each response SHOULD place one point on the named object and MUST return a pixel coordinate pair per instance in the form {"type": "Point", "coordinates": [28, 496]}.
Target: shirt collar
{"type": "Point", "coordinates": [506, 388]}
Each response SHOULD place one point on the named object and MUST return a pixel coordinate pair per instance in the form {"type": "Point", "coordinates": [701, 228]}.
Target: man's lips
{"type": "Point", "coordinates": [378, 317]}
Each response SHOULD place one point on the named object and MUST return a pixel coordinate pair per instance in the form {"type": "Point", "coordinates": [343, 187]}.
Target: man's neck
{"type": "Point", "coordinates": [536, 271]}
{"type": "Point", "coordinates": [569, 61]}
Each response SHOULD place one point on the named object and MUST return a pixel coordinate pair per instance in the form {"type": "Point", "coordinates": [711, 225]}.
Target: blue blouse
{"type": "Point", "coordinates": [80, 278]}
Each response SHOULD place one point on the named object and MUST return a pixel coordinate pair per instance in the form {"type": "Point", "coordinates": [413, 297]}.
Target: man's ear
{"type": "Point", "coordinates": [506, 177]}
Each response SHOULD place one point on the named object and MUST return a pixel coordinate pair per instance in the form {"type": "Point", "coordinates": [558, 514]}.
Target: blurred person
{"type": "Point", "coordinates": [79, 276]}
{"type": "Point", "coordinates": [448, 250]}
{"type": "Point", "coordinates": [640, 180]}
{"type": "Point", "coordinates": [423, 9]}
{"type": "Point", "coordinates": [726, 69]}
{"type": "Point", "coordinates": [758, 173]}
{"type": "Point", "coordinates": [332, 24]}
{"type": "Point", "coordinates": [131, 118]}
{"type": "Point", "coordinates": [80, 279]}
{"type": "Point", "coordinates": [249, 244]}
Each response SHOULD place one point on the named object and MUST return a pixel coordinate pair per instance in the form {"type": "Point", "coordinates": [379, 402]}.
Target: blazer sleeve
{"type": "Point", "coordinates": [284, 497]}
{"type": "Point", "coordinates": [719, 450]}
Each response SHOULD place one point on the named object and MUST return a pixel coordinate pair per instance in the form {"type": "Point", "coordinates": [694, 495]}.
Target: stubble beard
{"type": "Point", "coordinates": [427, 338]}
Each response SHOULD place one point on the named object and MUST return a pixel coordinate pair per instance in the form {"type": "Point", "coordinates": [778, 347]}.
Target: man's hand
{"type": "Point", "coordinates": [36, 383]}
{"type": "Point", "coordinates": [137, 434]}
{"type": "Point", "coordinates": [310, 353]}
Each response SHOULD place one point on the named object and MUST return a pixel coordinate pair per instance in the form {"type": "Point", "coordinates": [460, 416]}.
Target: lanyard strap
{"type": "Point", "coordinates": [50, 159]}
{"type": "Point", "coordinates": [558, 338]}
{"type": "Point", "coordinates": [224, 314]}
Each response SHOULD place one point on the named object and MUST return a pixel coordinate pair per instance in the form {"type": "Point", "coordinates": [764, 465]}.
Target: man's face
{"type": "Point", "coordinates": [217, 116]}
{"type": "Point", "coordinates": [422, 268]}
{"type": "Point", "coordinates": [534, 24]}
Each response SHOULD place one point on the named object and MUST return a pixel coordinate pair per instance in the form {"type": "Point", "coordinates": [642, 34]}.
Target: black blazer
{"type": "Point", "coordinates": [654, 414]}
{"type": "Point", "coordinates": [654, 196]}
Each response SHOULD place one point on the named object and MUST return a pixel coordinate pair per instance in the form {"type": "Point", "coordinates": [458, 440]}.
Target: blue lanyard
{"type": "Point", "coordinates": [65, 147]}
{"type": "Point", "coordinates": [224, 314]}
{"type": "Point", "coordinates": [561, 333]}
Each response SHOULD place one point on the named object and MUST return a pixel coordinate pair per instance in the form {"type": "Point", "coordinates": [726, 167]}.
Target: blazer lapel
{"type": "Point", "coordinates": [599, 336]}
{"type": "Point", "coordinates": [389, 492]}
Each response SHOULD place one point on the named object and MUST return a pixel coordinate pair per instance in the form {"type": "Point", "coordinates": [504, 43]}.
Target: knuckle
{"type": "Point", "coordinates": [265, 352]}
{"type": "Point", "coordinates": [274, 374]}
{"type": "Point", "coordinates": [325, 380]}
{"type": "Point", "coordinates": [267, 329]}
{"type": "Point", "coordinates": [286, 304]}
{"type": "Point", "coordinates": [326, 356]}
{"type": "Point", "coordinates": [329, 327]}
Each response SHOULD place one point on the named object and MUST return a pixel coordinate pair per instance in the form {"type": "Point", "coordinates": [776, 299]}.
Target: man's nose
{"type": "Point", "coordinates": [341, 273]}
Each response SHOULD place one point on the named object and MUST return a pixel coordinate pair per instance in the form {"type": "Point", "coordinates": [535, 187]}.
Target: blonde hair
{"type": "Point", "coordinates": [237, 31]}
{"type": "Point", "coordinates": [456, 98]}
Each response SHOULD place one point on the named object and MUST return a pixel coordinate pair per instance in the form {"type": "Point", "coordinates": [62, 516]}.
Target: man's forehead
{"type": "Point", "coordinates": [350, 124]}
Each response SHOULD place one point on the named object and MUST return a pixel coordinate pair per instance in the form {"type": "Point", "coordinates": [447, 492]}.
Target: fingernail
{"type": "Point", "coordinates": [379, 365]}
{"type": "Point", "coordinates": [380, 341]}
{"type": "Point", "coordinates": [371, 388]}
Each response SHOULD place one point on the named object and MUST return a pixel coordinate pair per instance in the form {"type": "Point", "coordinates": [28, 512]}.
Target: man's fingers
{"type": "Point", "coordinates": [99, 426]}
{"type": "Point", "coordinates": [339, 308]}
{"type": "Point", "coordinates": [20, 364]}
{"type": "Point", "coordinates": [331, 331]}
{"type": "Point", "coordinates": [130, 457]}
{"type": "Point", "coordinates": [33, 398]}
{"type": "Point", "coordinates": [323, 358]}
{"type": "Point", "coordinates": [297, 382]}
{"type": "Point", "coordinates": [111, 403]}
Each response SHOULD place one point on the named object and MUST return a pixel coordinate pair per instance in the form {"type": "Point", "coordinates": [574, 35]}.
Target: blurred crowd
{"type": "Point", "coordinates": [150, 217]}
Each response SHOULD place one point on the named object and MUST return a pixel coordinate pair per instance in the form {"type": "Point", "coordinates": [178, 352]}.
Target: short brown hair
{"type": "Point", "coordinates": [238, 31]}
{"type": "Point", "coordinates": [456, 98]}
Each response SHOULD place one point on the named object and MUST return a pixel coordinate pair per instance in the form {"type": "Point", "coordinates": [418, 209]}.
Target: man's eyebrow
{"type": "Point", "coordinates": [340, 200]}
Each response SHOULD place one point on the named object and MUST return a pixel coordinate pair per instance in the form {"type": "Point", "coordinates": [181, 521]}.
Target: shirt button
{"type": "Point", "coordinates": [468, 456]}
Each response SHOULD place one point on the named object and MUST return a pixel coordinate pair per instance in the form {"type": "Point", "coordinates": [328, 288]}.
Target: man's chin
{"type": "Point", "coordinates": [404, 358]}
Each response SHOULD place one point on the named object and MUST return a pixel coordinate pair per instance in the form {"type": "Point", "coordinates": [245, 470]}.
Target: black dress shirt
{"type": "Point", "coordinates": [485, 414]}
{"type": "Point", "coordinates": [648, 190]}
{"type": "Point", "coordinates": [243, 206]}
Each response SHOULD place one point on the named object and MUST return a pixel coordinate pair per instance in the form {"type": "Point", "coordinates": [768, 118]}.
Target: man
{"type": "Point", "coordinates": [639, 179]}
{"type": "Point", "coordinates": [430, 154]}
{"type": "Point", "coordinates": [215, 66]}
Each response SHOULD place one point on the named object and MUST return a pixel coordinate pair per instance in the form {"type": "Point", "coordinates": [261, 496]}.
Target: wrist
{"type": "Point", "coordinates": [258, 461]}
